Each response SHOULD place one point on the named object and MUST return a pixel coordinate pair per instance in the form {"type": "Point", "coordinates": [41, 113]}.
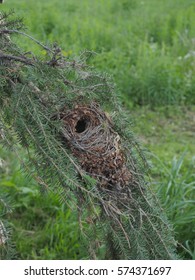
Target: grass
{"type": "Point", "coordinates": [169, 134]}
{"type": "Point", "coordinates": [148, 48]}
{"type": "Point", "coordinates": [166, 131]}
{"type": "Point", "coordinates": [149, 51]}
{"type": "Point", "coordinates": [177, 193]}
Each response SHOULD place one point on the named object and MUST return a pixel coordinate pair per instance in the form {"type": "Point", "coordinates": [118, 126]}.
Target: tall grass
{"type": "Point", "coordinates": [147, 46]}
{"type": "Point", "coordinates": [177, 193]}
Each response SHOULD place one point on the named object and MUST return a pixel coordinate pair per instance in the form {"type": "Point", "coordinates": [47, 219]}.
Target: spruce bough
{"type": "Point", "coordinates": [79, 141]}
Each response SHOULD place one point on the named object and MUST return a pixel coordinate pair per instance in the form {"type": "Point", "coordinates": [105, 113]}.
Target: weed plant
{"type": "Point", "coordinates": [176, 190]}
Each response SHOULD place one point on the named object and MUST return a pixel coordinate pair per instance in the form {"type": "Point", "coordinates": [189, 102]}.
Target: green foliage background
{"type": "Point", "coordinates": [147, 46]}
{"type": "Point", "coordinates": [149, 49]}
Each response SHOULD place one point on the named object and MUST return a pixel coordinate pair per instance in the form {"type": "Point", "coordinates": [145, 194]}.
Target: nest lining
{"type": "Point", "coordinates": [92, 140]}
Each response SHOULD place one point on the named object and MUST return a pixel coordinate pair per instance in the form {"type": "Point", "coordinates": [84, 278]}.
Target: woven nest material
{"type": "Point", "coordinates": [92, 140]}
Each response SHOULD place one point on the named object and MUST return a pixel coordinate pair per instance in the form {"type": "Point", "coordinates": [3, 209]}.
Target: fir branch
{"type": "Point", "coordinates": [8, 31]}
{"type": "Point", "coordinates": [15, 58]}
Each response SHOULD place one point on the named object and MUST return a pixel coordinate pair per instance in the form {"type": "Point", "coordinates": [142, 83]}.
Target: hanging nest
{"type": "Point", "coordinates": [88, 132]}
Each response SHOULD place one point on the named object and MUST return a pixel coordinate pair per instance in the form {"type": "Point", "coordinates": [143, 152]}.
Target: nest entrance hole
{"type": "Point", "coordinates": [81, 125]}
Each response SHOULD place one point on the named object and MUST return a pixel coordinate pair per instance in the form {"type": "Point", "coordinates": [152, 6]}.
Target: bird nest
{"type": "Point", "coordinates": [89, 133]}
